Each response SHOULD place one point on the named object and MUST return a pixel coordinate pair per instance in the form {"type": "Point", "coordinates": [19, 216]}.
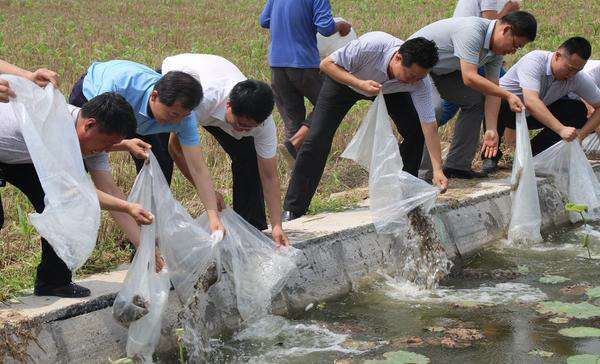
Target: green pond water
{"type": "Point", "coordinates": [485, 312]}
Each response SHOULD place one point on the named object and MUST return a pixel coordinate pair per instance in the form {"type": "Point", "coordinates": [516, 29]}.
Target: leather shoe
{"type": "Point", "coordinates": [459, 173]}
{"type": "Point", "coordinates": [70, 290]}
{"type": "Point", "coordinates": [489, 166]}
{"type": "Point", "coordinates": [289, 216]}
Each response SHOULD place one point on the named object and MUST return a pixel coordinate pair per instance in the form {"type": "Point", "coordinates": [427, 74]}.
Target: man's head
{"type": "Point", "coordinates": [513, 32]}
{"type": "Point", "coordinates": [250, 103]}
{"type": "Point", "coordinates": [570, 57]}
{"type": "Point", "coordinates": [104, 121]}
{"type": "Point", "coordinates": [174, 96]}
{"type": "Point", "coordinates": [415, 58]}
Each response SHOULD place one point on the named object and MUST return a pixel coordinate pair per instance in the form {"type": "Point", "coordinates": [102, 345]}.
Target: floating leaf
{"type": "Point", "coordinates": [582, 310]}
{"type": "Point", "coordinates": [122, 361]}
{"type": "Point", "coordinates": [583, 359]}
{"type": "Point", "coordinates": [559, 320]}
{"type": "Point", "coordinates": [575, 289]}
{"type": "Point", "coordinates": [401, 357]}
{"type": "Point", "coordinates": [553, 279]}
{"type": "Point", "coordinates": [580, 332]}
{"type": "Point", "coordinates": [407, 342]}
{"type": "Point", "coordinates": [593, 292]}
{"type": "Point", "coordinates": [358, 345]}
{"type": "Point", "coordinates": [435, 329]}
{"type": "Point", "coordinates": [541, 353]}
{"type": "Point", "coordinates": [576, 207]}
{"type": "Point", "coordinates": [523, 269]}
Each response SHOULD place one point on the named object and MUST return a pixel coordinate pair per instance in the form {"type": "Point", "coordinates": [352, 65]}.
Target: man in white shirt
{"type": "Point", "coordinates": [543, 79]}
{"type": "Point", "coordinates": [237, 112]}
{"type": "Point", "coordinates": [487, 9]}
{"type": "Point", "coordinates": [101, 126]}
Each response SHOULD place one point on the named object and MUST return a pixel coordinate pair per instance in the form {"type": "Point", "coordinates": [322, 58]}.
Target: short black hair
{"type": "Point", "coordinates": [252, 99]}
{"type": "Point", "coordinates": [113, 114]}
{"type": "Point", "coordinates": [421, 51]}
{"type": "Point", "coordinates": [523, 24]}
{"type": "Point", "coordinates": [179, 86]}
{"type": "Point", "coordinates": [579, 46]}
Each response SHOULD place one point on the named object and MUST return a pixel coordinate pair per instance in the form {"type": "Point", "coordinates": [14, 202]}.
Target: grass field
{"type": "Point", "coordinates": [67, 36]}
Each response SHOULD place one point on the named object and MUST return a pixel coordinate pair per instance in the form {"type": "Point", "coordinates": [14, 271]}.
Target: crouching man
{"type": "Point", "coordinates": [101, 125]}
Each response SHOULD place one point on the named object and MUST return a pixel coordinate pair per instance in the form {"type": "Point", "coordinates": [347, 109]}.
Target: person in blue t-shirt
{"type": "Point", "coordinates": [294, 60]}
{"type": "Point", "coordinates": [162, 104]}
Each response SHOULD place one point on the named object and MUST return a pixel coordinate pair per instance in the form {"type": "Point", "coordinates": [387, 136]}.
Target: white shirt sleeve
{"type": "Point", "coordinates": [587, 89]}
{"type": "Point", "coordinates": [423, 101]}
{"type": "Point", "coordinates": [530, 74]}
{"type": "Point", "coordinates": [265, 139]}
{"type": "Point", "coordinates": [97, 162]}
{"type": "Point", "coordinates": [487, 5]}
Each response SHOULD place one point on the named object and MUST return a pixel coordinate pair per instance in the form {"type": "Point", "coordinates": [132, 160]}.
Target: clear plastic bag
{"type": "Point", "coordinates": [573, 175]}
{"type": "Point", "coordinates": [328, 45]}
{"type": "Point", "coordinates": [591, 146]}
{"type": "Point", "coordinates": [526, 216]}
{"type": "Point", "coordinates": [142, 300]}
{"type": "Point", "coordinates": [71, 216]}
{"type": "Point", "coordinates": [393, 193]}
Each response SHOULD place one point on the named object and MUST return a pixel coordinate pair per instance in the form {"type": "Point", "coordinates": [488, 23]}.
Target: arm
{"type": "Point", "coordinates": [265, 16]}
{"type": "Point", "coordinates": [272, 191]}
{"type": "Point", "coordinates": [41, 77]}
{"type": "Point", "coordinates": [198, 170]}
{"type": "Point", "coordinates": [509, 7]}
{"type": "Point", "coordinates": [339, 74]}
{"type": "Point", "coordinates": [592, 123]}
{"type": "Point", "coordinates": [432, 139]}
{"type": "Point", "coordinates": [135, 146]}
{"type": "Point", "coordinates": [538, 110]}
{"type": "Point", "coordinates": [477, 82]}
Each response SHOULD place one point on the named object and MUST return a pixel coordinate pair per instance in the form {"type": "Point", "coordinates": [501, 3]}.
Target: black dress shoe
{"type": "Point", "coordinates": [70, 290]}
{"type": "Point", "coordinates": [289, 216]}
{"type": "Point", "coordinates": [489, 166]}
{"type": "Point", "coordinates": [459, 173]}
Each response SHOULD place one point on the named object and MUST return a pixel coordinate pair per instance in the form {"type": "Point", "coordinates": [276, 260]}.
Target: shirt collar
{"type": "Point", "coordinates": [488, 35]}
{"type": "Point", "coordinates": [549, 64]}
{"type": "Point", "coordinates": [144, 106]}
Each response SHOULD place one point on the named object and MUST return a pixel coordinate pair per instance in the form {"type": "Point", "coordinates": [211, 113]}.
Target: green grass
{"type": "Point", "coordinates": [67, 36]}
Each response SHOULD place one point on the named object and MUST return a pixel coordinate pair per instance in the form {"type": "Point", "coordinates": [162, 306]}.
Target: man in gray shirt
{"type": "Point", "coordinates": [100, 125]}
{"type": "Point", "coordinates": [464, 45]}
{"type": "Point", "coordinates": [376, 62]}
{"type": "Point", "coordinates": [543, 79]}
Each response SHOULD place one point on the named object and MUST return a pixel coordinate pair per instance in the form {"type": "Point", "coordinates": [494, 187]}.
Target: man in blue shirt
{"type": "Point", "coordinates": [162, 104]}
{"type": "Point", "coordinates": [294, 59]}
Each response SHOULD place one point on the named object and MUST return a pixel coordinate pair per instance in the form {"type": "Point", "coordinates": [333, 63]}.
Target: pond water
{"type": "Point", "coordinates": [485, 312]}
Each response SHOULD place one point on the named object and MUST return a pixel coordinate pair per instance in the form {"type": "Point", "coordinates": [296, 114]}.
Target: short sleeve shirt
{"type": "Point", "coordinates": [135, 82]}
{"type": "Point", "coordinates": [473, 7]}
{"type": "Point", "coordinates": [218, 76]}
{"type": "Point", "coordinates": [534, 72]}
{"type": "Point", "coordinates": [13, 149]}
{"type": "Point", "coordinates": [368, 58]}
{"type": "Point", "coordinates": [467, 39]}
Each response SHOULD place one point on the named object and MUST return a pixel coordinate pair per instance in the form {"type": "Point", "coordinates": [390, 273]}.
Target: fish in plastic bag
{"type": "Point", "coordinates": [71, 216]}
{"type": "Point", "coordinates": [142, 300]}
{"type": "Point", "coordinates": [526, 216]}
{"type": "Point", "coordinates": [393, 192]}
{"type": "Point", "coordinates": [573, 175]}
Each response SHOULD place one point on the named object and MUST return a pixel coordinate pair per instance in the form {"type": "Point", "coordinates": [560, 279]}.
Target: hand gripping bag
{"type": "Point", "coordinates": [141, 302]}
{"type": "Point", "coordinates": [526, 217]}
{"type": "Point", "coordinates": [328, 45]}
{"type": "Point", "coordinates": [573, 175]}
{"type": "Point", "coordinates": [393, 193]}
{"type": "Point", "coordinates": [71, 216]}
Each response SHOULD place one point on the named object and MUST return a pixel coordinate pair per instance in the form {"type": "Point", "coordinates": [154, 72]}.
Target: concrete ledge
{"type": "Point", "coordinates": [338, 251]}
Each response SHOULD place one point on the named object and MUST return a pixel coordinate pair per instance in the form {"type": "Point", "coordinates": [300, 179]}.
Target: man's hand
{"type": "Point", "coordinates": [139, 148]}
{"type": "Point", "coordinates": [515, 103]}
{"type": "Point", "coordinates": [489, 148]}
{"type": "Point", "coordinates": [5, 91]}
{"type": "Point", "coordinates": [279, 237]}
{"type": "Point", "coordinates": [568, 133]}
{"type": "Point", "coordinates": [139, 214]}
{"type": "Point", "coordinates": [159, 262]}
{"type": "Point", "coordinates": [343, 27]}
{"type": "Point", "coordinates": [220, 201]}
{"type": "Point", "coordinates": [43, 77]}
{"type": "Point", "coordinates": [440, 180]}
{"type": "Point", "coordinates": [370, 87]}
